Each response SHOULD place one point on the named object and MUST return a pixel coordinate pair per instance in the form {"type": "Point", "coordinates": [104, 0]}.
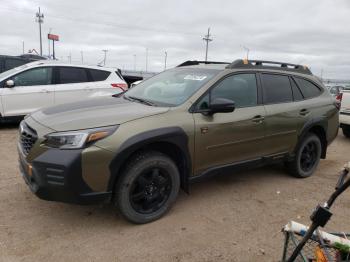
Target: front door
{"type": "Point", "coordinates": [226, 138]}
{"type": "Point", "coordinates": [32, 91]}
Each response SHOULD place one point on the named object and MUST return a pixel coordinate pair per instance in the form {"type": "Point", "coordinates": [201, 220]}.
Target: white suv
{"type": "Point", "coordinates": [39, 84]}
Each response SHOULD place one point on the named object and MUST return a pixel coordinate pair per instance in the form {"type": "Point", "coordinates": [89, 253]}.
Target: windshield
{"type": "Point", "coordinates": [10, 72]}
{"type": "Point", "coordinates": [173, 87]}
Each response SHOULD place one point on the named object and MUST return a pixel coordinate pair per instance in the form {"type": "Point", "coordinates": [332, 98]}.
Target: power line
{"type": "Point", "coordinates": [136, 28]}
{"type": "Point", "coordinates": [207, 39]}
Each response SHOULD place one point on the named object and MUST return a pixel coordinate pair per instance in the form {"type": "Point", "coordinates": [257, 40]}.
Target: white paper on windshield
{"type": "Point", "coordinates": [195, 77]}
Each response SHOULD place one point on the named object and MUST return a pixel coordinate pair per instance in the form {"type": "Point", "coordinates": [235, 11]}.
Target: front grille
{"type": "Point", "coordinates": [27, 137]}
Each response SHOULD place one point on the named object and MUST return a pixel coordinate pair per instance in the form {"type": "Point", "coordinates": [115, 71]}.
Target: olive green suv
{"type": "Point", "coordinates": [137, 149]}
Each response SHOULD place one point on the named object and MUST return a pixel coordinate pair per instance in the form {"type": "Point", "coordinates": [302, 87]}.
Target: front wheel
{"type": "Point", "coordinates": [148, 187]}
{"type": "Point", "coordinates": [307, 157]}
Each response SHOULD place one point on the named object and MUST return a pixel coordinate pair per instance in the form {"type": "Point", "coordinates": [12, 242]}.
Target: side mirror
{"type": "Point", "coordinates": [221, 105]}
{"type": "Point", "coordinates": [10, 83]}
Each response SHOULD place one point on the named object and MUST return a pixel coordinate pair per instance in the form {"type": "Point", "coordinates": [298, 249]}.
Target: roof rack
{"type": "Point", "coordinates": [257, 64]}
{"type": "Point", "coordinates": [195, 62]}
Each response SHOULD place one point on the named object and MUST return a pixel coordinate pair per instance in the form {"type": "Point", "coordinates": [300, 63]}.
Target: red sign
{"type": "Point", "coordinates": [53, 37]}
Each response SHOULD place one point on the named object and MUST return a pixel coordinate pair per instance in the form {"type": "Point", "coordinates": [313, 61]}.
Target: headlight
{"type": "Point", "coordinates": [77, 139]}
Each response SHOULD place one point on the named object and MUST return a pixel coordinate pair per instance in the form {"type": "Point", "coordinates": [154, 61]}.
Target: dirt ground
{"type": "Point", "coordinates": [235, 217]}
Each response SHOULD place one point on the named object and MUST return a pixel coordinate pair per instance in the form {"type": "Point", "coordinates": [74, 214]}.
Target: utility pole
{"type": "Point", "coordinates": [82, 57]}
{"type": "Point", "coordinates": [23, 47]}
{"type": "Point", "coordinates": [146, 59]}
{"type": "Point", "coordinates": [165, 58]}
{"type": "Point", "coordinates": [40, 20]}
{"type": "Point", "coordinates": [207, 39]}
{"type": "Point", "coordinates": [105, 57]}
{"type": "Point", "coordinates": [70, 58]}
{"type": "Point", "coordinates": [246, 49]}
{"type": "Point", "coordinates": [134, 62]}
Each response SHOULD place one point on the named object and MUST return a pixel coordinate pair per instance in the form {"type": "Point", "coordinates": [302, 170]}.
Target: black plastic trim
{"type": "Point", "coordinates": [172, 135]}
{"type": "Point", "coordinates": [239, 166]}
{"type": "Point", "coordinates": [57, 176]}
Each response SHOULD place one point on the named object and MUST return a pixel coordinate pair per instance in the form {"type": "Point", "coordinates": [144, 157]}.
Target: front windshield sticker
{"type": "Point", "coordinates": [195, 77]}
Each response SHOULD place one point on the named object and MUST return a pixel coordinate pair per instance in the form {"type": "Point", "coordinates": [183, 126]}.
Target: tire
{"type": "Point", "coordinates": [148, 187]}
{"type": "Point", "coordinates": [307, 157]}
{"type": "Point", "coordinates": [346, 131]}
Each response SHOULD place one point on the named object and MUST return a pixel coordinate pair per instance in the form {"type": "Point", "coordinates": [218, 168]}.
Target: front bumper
{"type": "Point", "coordinates": [56, 175]}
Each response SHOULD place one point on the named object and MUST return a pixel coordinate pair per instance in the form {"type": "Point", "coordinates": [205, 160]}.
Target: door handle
{"type": "Point", "coordinates": [304, 112]}
{"type": "Point", "coordinates": [258, 119]}
{"type": "Point", "coordinates": [45, 91]}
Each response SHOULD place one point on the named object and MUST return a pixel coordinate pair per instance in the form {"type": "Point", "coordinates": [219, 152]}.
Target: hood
{"type": "Point", "coordinates": [94, 113]}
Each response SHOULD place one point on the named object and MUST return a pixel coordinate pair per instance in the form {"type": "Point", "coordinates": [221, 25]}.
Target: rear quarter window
{"type": "Point", "coordinates": [276, 88]}
{"type": "Point", "coordinates": [98, 75]}
{"type": "Point", "coordinates": [70, 75]}
{"type": "Point", "coordinates": [308, 89]}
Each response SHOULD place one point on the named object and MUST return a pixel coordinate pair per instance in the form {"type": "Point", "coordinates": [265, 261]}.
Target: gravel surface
{"type": "Point", "coordinates": [235, 217]}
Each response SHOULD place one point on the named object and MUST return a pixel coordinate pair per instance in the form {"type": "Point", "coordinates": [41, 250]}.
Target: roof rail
{"type": "Point", "coordinates": [195, 62]}
{"type": "Point", "coordinates": [257, 64]}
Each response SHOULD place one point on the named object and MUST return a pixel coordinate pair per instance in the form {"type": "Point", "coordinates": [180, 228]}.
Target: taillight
{"type": "Point", "coordinates": [122, 86]}
{"type": "Point", "coordinates": [338, 100]}
{"type": "Point", "coordinates": [339, 97]}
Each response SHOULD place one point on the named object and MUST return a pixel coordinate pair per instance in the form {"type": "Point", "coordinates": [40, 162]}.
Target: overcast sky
{"type": "Point", "coordinates": [312, 32]}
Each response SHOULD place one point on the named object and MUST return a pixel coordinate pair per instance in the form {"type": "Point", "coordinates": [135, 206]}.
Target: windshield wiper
{"type": "Point", "coordinates": [141, 100]}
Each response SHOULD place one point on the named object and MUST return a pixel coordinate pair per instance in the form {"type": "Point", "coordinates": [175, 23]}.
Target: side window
{"type": "Point", "coordinates": [241, 88]}
{"type": "Point", "coordinates": [98, 75]}
{"type": "Point", "coordinates": [277, 89]}
{"type": "Point", "coordinates": [34, 77]}
{"type": "Point", "coordinates": [296, 91]}
{"type": "Point", "coordinates": [70, 75]}
{"type": "Point", "coordinates": [308, 89]}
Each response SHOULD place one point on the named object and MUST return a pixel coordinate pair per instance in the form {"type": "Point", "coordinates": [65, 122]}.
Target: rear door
{"type": "Point", "coordinates": [72, 84]}
{"type": "Point", "coordinates": [33, 90]}
{"type": "Point", "coordinates": [284, 113]}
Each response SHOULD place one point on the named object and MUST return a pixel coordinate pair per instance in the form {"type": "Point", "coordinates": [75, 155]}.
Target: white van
{"type": "Point", "coordinates": [32, 86]}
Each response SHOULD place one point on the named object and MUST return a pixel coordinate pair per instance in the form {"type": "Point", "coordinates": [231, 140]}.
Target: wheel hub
{"type": "Point", "coordinates": [150, 190]}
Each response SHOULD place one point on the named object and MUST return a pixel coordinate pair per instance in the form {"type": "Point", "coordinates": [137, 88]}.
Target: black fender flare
{"type": "Point", "coordinates": [172, 135]}
{"type": "Point", "coordinates": [317, 121]}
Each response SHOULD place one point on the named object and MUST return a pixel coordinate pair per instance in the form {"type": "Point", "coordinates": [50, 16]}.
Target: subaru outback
{"type": "Point", "coordinates": [138, 148]}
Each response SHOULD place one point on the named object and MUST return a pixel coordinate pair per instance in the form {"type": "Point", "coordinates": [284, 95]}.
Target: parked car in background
{"type": "Point", "coordinates": [344, 117]}
{"type": "Point", "coordinates": [199, 119]}
{"type": "Point", "coordinates": [40, 84]}
{"type": "Point", "coordinates": [335, 90]}
{"type": "Point", "coordinates": [8, 62]}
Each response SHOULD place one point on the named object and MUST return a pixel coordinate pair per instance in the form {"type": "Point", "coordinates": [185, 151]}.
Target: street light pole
{"type": "Point", "coordinates": [105, 56]}
{"type": "Point", "coordinates": [134, 62]}
{"type": "Point", "coordinates": [146, 59]}
{"type": "Point", "coordinates": [166, 57]}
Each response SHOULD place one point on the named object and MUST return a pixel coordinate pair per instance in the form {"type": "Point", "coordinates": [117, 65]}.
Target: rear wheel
{"type": "Point", "coordinates": [346, 131]}
{"type": "Point", "coordinates": [148, 187]}
{"type": "Point", "coordinates": [307, 157]}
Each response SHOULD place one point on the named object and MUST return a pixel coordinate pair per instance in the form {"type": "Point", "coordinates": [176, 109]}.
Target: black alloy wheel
{"type": "Point", "coordinates": [309, 156]}
{"type": "Point", "coordinates": [150, 190]}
